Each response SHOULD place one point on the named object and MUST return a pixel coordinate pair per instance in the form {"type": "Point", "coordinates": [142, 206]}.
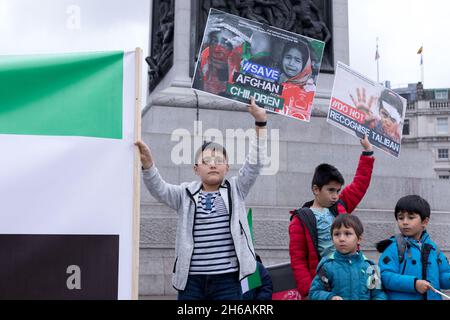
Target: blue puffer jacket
{"type": "Point", "coordinates": [350, 276]}
{"type": "Point", "coordinates": [399, 278]}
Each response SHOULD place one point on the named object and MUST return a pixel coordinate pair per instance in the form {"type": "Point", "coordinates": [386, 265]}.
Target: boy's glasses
{"type": "Point", "coordinates": [210, 160]}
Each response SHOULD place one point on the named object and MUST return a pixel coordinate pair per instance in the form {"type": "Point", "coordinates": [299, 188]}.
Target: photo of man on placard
{"type": "Point", "coordinates": [383, 114]}
{"type": "Point", "coordinates": [361, 106]}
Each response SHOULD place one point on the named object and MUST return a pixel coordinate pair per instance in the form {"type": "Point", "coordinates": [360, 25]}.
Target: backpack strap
{"type": "Point", "coordinates": [334, 209]}
{"type": "Point", "coordinates": [342, 203]}
{"type": "Point", "coordinates": [306, 216]}
{"type": "Point", "coordinates": [424, 254]}
{"type": "Point", "coordinates": [401, 247]}
{"type": "Point", "coordinates": [438, 253]}
{"type": "Point", "coordinates": [323, 277]}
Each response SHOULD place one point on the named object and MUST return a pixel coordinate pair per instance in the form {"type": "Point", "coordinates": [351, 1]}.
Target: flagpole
{"type": "Point", "coordinates": [136, 176]}
{"type": "Point", "coordinates": [421, 67]}
{"type": "Point", "coordinates": [378, 65]}
{"type": "Point", "coordinates": [420, 51]}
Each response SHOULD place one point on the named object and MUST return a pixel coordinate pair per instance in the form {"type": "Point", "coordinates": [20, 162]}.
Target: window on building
{"type": "Point", "coordinates": [442, 153]}
{"type": "Point", "coordinates": [442, 125]}
{"type": "Point", "coordinates": [406, 127]}
{"type": "Point", "coordinates": [441, 94]}
{"type": "Point", "coordinates": [444, 177]}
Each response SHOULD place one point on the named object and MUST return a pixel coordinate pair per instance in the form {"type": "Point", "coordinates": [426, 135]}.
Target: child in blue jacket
{"type": "Point", "coordinates": [347, 274]}
{"type": "Point", "coordinates": [411, 264]}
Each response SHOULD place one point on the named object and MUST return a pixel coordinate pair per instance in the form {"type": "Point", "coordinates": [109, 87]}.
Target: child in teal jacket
{"type": "Point", "coordinates": [347, 274]}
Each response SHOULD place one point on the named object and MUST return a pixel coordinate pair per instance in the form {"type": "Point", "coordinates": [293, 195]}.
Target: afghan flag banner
{"type": "Point", "coordinates": [69, 186]}
{"type": "Point", "coordinates": [254, 280]}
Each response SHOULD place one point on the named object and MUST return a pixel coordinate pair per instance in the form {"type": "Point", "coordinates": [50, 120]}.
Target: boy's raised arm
{"type": "Point", "coordinates": [259, 114]}
{"type": "Point", "coordinates": [355, 191]}
{"type": "Point", "coordinates": [257, 151]}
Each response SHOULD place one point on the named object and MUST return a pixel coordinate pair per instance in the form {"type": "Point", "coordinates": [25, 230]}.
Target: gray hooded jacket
{"type": "Point", "coordinates": [183, 199]}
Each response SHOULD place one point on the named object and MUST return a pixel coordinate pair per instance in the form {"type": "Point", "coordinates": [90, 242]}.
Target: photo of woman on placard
{"type": "Point", "coordinates": [297, 79]}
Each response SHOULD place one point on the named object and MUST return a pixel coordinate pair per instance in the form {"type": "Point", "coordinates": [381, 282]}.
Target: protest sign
{"type": "Point", "coordinates": [241, 58]}
{"type": "Point", "coordinates": [361, 106]}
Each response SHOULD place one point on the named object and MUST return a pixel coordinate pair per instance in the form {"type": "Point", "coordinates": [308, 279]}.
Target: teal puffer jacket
{"type": "Point", "coordinates": [350, 276]}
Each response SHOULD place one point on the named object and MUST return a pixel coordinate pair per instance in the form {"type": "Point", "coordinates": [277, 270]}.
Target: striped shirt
{"type": "Point", "coordinates": [213, 245]}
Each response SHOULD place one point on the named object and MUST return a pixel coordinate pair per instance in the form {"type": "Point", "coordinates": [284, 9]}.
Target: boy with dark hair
{"type": "Point", "coordinates": [214, 250]}
{"type": "Point", "coordinates": [411, 263]}
{"type": "Point", "coordinates": [325, 173]}
{"type": "Point", "coordinates": [309, 230]}
{"type": "Point", "coordinates": [347, 274]}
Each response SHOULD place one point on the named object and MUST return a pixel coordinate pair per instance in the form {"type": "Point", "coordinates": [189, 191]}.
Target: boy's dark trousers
{"type": "Point", "coordinates": [212, 287]}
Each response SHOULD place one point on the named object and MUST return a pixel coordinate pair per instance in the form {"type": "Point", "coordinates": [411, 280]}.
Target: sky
{"type": "Point", "coordinates": [402, 26]}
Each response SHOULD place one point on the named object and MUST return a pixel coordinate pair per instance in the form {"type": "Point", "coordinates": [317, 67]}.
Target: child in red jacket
{"type": "Point", "coordinates": [309, 230]}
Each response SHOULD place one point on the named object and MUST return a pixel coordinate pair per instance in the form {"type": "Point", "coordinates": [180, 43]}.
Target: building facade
{"type": "Point", "coordinates": [427, 124]}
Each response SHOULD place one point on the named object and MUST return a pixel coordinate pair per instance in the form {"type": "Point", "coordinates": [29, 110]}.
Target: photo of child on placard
{"type": "Point", "coordinates": [297, 78]}
{"type": "Point", "coordinates": [240, 58]}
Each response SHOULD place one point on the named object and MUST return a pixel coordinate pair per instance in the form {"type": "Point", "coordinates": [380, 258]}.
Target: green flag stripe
{"type": "Point", "coordinates": [250, 223]}
{"type": "Point", "coordinates": [254, 280]}
{"type": "Point", "coordinates": [76, 94]}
